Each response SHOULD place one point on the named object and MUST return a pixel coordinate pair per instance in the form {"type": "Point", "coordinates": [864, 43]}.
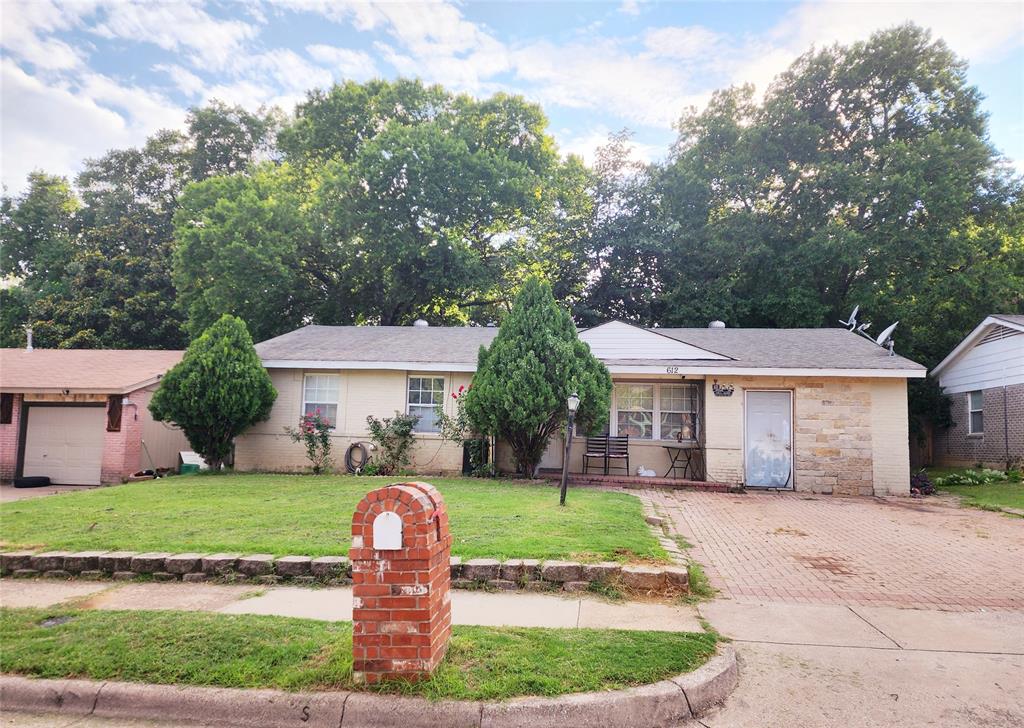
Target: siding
{"type": "Point", "coordinates": [987, 365]}
{"type": "Point", "coordinates": [161, 442]}
{"type": "Point", "coordinates": [362, 392]}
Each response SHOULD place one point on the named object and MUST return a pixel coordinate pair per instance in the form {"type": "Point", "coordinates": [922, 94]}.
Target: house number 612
{"type": "Point", "coordinates": [671, 370]}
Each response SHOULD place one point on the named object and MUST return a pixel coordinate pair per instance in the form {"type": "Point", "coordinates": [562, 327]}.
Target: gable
{"type": "Point", "coordinates": [993, 357]}
{"type": "Point", "coordinates": [616, 340]}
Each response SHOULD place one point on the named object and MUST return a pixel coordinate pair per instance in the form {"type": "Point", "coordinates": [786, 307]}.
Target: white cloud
{"type": "Point", "coordinates": [176, 26]}
{"type": "Point", "coordinates": [25, 25]}
{"type": "Point", "coordinates": [350, 63]}
{"type": "Point", "coordinates": [585, 145]}
{"type": "Point", "coordinates": [187, 82]}
{"type": "Point", "coordinates": [630, 7]}
{"type": "Point", "coordinates": [54, 127]}
{"type": "Point", "coordinates": [683, 43]}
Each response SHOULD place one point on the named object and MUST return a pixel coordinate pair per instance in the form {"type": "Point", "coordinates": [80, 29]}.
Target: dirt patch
{"type": "Point", "coordinates": [836, 565]}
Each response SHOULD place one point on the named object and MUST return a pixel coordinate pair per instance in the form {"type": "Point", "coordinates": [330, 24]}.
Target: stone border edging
{"type": "Point", "coordinates": [659, 704]}
{"type": "Point", "coordinates": [528, 574]}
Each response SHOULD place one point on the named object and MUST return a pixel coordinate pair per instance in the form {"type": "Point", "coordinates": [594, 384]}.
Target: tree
{"type": "Point", "coordinates": [216, 391]}
{"type": "Point", "coordinates": [525, 376]}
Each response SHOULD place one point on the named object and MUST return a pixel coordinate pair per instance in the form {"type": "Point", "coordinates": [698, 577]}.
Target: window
{"type": "Point", "coordinates": [678, 411]}
{"type": "Point", "coordinates": [425, 394]}
{"type": "Point", "coordinates": [655, 411]}
{"type": "Point", "coordinates": [975, 408]}
{"type": "Point", "coordinates": [635, 410]}
{"type": "Point", "coordinates": [320, 394]}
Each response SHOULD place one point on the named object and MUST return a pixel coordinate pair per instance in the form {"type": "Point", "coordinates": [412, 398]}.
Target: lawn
{"type": "Point", "coordinates": [246, 651]}
{"type": "Point", "coordinates": [305, 514]}
{"type": "Point", "coordinates": [990, 496]}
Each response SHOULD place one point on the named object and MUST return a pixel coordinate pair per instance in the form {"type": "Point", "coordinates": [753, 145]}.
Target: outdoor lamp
{"type": "Point", "coordinates": [573, 403]}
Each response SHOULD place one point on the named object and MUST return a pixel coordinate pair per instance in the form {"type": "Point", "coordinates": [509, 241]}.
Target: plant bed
{"type": "Point", "coordinates": [990, 490]}
{"type": "Point", "coordinates": [305, 514]}
{"type": "Point", "coordinates": [246, 651]}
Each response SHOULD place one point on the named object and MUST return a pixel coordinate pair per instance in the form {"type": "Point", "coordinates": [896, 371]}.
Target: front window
{"type": "Point", "coordinates": [656, 411]}
{"type": "Point", "coordinates": [635, 410]}
{"type": "Point", "coordinates": [425, 394]}
{"type": "Point", "coordinates": [320, 394]}
{"type": "Point", "coordinates": [976, 407]}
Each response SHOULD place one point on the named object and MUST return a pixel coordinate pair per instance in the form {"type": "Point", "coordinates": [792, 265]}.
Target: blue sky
{"type": "Point", "coordinates": [82, 77]}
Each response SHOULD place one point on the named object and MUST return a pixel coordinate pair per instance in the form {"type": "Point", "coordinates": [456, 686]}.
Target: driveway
{"type": "Point", "coordinates": [807, 549]}
{"type": "Point", "coordinates": [862, 612]}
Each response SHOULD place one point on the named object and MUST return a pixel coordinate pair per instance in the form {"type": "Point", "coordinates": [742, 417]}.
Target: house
{"type": "Point", "coordinates": [984, 379]}
{"type": "Point", "coordinates": [820, 410]}
{"type": "Point", "coordinates": [81, 417]}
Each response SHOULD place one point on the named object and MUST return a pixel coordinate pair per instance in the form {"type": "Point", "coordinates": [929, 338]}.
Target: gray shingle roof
{"type": "Point", "coordinates": [748, 348]}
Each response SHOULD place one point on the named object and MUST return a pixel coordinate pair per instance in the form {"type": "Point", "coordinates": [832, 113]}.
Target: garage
{"type": "Point", "coordinates": [65, 443]}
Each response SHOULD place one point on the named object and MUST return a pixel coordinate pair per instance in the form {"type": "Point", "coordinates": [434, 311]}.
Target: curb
{"type": "Point", "coordinates": [664, 703]}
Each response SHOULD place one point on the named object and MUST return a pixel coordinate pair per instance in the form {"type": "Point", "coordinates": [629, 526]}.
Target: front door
{"type": "Point", "coordinates": [769, 439]}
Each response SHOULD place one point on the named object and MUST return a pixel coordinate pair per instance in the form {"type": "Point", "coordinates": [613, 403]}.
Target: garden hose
{"type": "Point", "coordinates": [352, 464]}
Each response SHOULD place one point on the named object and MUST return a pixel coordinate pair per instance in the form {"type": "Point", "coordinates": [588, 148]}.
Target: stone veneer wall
{"type": "Point", "coordinates": [956, 447]}
{"type": "Point", "coordinates": [850, 435]}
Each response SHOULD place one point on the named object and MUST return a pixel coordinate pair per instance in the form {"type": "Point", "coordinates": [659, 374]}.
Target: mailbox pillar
{"type": "Point", "coordinates": [401, 606]}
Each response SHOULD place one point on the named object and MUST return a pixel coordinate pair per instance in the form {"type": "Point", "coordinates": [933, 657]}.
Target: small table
{"type": "Point", "coordinates": [682, 456]}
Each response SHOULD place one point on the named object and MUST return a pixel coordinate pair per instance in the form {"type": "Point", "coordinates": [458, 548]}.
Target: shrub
{"type": "Point", "coordinates": [394, 439]}
{"type": "Point", "coordinates": [216, 391]}
{"type": "Point", "coordinates": [315, 433]}
{"type": "Point", "coordinates": [525, 376]}
{"type": "Point", "coordinates": [984, 476]}
{"type": "Point", "coordinates": [459, 430]}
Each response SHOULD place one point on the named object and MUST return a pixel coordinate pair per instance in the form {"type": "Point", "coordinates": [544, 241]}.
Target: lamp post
{"type": "Point", "coordinates": [573, 404]}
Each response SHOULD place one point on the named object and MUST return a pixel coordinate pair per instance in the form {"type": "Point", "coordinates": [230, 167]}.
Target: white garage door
{"type": "Point", "coordinates": [65, 444]}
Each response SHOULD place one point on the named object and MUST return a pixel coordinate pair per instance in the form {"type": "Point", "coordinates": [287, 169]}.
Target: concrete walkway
{"type": "Point", "coordinates": [831, 666]}
{"type": "Point", "coordinates": [512, 609]}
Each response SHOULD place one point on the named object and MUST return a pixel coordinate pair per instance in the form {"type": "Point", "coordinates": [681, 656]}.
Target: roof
{"type": "Point", "coordinates": [1012, 321]}
{"type": "Point", "coordinates": [98, 371]}
{"type": "Point", "coordinates": [838, 352]}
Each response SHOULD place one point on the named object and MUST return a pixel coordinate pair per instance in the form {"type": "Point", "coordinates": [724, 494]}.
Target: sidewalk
{"type": "Point", "coordinates": [511, 609]}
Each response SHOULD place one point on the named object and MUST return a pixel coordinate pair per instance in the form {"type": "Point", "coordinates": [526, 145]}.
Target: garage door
{"type": "Point", "coordinates": [65, 444]}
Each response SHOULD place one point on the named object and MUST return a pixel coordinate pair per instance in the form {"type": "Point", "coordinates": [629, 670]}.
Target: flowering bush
{"type": "Point", "coordinates": [315, 433]}
{"type": "Point", "coordinates": [394, 439]}
{"type": "Point", "coordinates": [457, 429]}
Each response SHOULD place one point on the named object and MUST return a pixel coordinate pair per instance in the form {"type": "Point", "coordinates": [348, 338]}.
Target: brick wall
{"type": "Point", "coordinates": [122, 451]}
{"type": "Point", "coordinates": [956, 447]}
{"type": "Point", "coordinates": [9, 442]}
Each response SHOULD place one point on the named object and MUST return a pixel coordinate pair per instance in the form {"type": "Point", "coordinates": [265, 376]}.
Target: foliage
{"type": "Point", "coordinates": [982, 476]}
{"type": "Point", "coordinates": [216, 391]}
{"type": "Point", "coordinates": [525, 376]}
{"type": "Point", "coordinates": [257, 513]}
{"type": "Point", "coordinates": [314, 432]}
{"type": "Point", "coordinates": [457, 429]}
{"type": "Point", "coordinates": [394, 438]}
{"type": "Point", "coordinates": [256, 651]}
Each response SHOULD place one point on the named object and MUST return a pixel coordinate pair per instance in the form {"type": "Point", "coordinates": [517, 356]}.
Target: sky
{"type": "Point", "coordinates": [79, 78]}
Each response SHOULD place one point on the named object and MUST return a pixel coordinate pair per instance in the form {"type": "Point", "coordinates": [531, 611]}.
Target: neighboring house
{"type": "Point", "coordinates": [984, 379]}
{"type": "Point", "coordinates": [820, 410]}
{"type": "Point", "coordinates": [80, 416]}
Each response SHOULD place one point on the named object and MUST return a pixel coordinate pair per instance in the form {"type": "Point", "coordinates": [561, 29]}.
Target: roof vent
{"type": "Point", "coordinates": [420, 322]}
{"type": "Point", "coordinates": [716, 324]}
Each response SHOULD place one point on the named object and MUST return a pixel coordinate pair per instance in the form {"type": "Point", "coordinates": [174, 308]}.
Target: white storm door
{"type": "Point", "coordinates": [769, 439]}
{"type": "Point", "coordinates": [65, 443]}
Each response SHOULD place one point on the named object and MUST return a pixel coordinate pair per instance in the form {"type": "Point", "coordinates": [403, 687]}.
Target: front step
{"type": "Point", "coordinates": [633, 481]}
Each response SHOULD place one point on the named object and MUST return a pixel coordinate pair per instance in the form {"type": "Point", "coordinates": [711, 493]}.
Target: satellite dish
{"type": "Point", "coordinates": [886, 336]}
{"type": "Point", "coordinates": [852, 321]}
{"type": "Point", "coordinates": [863, 328]}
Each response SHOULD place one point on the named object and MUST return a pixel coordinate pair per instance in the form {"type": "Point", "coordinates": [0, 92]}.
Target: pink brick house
{"type": "Point", "coordinates": [81, 417]}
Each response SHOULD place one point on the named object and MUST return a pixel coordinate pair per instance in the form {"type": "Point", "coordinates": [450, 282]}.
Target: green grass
{"type": "Point", "coordinates": [245, 651]}
{"type": "Point", "coordinates": [305, 514]}
{"type": "Point", "coordinates": [991, 496]}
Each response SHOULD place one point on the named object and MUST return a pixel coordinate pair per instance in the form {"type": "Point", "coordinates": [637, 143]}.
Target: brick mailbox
{"type": "Point", "coordinates": [401, 607]}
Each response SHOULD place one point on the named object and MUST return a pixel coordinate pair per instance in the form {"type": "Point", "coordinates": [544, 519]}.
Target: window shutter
{"type": "Point", "coordinates": [114, 413]}
{"type": "Point", "coordinates": [6, 408]}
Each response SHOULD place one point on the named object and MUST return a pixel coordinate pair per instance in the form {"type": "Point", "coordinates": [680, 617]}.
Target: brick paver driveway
{"type": "Point", "coordinates": [802, 548]}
